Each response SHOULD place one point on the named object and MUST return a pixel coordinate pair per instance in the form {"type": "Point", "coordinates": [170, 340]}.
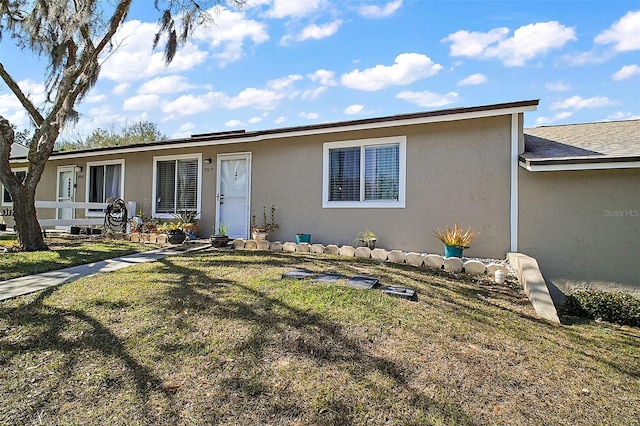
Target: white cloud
{"type": "Point", "coordinates": [318, 32]}
{"type": "Point", "coordinates": [293, 8]}
{"type": "Point", "coordinates": [353, 109]}
{"type": "Point", "coordinates": [313, 93]}
{"type": "Point", "coordinates": [141, 103]}
{"type": "Point", "coordinates": [280, 120]}
{"type": "Point", "coordinates": [254, 120]}
{"type": "Point", "coordinates": [284, 82]}
{"type": "Point", "coordinates": [234, 123]}
{"type": "Point", "coordinates": [255, 98]}
{"type": "Point", "coordinates": [428, 99]}
{"type": "Point", "coordinates": [324, 77]}
{"type": "Point", "coordinates": [527, 42]}
{"type": "Point", "coordinates": [578, 102]}
{"type": "Point", "coordinates": [229, 34]}
{"type": "Point", "coordinates": [617, 116]}
{"type": "Point", "coordinates": [540, 121]}
{"type": "Point", "coordinates": [121, 89]}
{"type": "Point", "coordinates": [624, 33]}
{"type": "Point", "coordinates": [408, 67]}
{"type": "Point", "coordinates": [184, 131]}
{"type": "Point", "coordinates": [558, 86]}
{"type": "Point", "coordinates": [165, 85]}
{"type": "Point", "coordinates": [375, 11]}
{"type": "Point", "coordinates": [11, 108]}
{"type": "Point", "coordinates": [190, 104]}
{"type": "Point", "coordinates": [625, 72]}
{"type": "Point", "coordinates": [473, 80]}
{"type": "Point", "coordinates": [309, 115]}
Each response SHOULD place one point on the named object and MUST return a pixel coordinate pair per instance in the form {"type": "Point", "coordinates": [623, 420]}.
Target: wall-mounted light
{"type": "Point", "coordinates": [78, 169]}
{"type": "Point", "coordinates": [207, 160]}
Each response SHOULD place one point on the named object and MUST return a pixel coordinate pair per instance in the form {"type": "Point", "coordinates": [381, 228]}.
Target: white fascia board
{"type": "Point", "coordinates": [307, 132]}
{"type": "Point", "coordinates": [580, 166]}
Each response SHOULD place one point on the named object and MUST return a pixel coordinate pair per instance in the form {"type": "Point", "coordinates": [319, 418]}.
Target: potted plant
{"type": "Point", "coordinates": [303, 238]}
{"type": "Point", "coordinates": [261, 233]}
{"type": "Point", "coordinates": [188, 222]}
{"type": "Point", "coordinates": [175, 235]}
{"type": "Point", "coordinates": [220, 238]}
{"type": "Point", "coordinates": [366, 239]}
{"type": "Point", "coordinates": [455, 240]}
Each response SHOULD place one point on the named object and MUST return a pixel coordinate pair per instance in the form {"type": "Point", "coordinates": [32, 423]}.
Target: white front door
{"type": "Point", "coordinates": [66, 190]}
{"type": "Point", "coordinates": [233, 193]}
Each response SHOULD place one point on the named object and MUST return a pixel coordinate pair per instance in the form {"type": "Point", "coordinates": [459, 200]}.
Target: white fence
{"type": "Point", "coordinates": [97, 217]}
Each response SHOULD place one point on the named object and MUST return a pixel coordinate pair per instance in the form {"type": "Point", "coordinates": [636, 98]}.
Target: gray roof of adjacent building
{"type": "Point", "coordinates": [606, 141]}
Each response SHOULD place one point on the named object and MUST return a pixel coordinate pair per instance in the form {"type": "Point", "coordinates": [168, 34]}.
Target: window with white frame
{"type": "Point", "coordinates": [177, 183]}
{"type": "Point", "coordinates": [105, 180]}
{"type": "Point", "coordinates": [6, 197]}
{"type": "Point", "coordinates": [364, 173]}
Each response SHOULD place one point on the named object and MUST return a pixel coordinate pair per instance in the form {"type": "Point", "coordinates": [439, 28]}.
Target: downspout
{"type": "Point", "coordinates": [514, 182]}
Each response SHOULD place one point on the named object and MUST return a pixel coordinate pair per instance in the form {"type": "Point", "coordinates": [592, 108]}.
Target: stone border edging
{"type": "Point", "coordinates": [433, 261]}
{"type": "Point", "coordinates": [531, 279]}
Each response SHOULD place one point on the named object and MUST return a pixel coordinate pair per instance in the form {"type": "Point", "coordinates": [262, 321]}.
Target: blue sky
{"type": "Point", "coordinates": [281, 63]}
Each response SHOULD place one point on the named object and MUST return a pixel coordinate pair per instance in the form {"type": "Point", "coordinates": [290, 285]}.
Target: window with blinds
{"type": "Point", "coordinates": [365, 173]}
{"type": "Point", "coordinates": [176, 185]}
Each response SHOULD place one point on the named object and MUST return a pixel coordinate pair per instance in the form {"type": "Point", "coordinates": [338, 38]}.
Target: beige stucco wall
{"type": "Point", "coordinates": [456, 172]}
{"type": "Point", "coordinates": [582, 227]}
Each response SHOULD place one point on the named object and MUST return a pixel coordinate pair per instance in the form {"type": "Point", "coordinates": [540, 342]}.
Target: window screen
{"type": "Point", "coordinates": [382, 172]}
{"type": "Point", "coordinates": [344, 174]}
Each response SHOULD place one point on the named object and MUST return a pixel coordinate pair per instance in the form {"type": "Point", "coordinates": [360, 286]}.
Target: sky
{"type": "Point", "coordinates": [282, 63]}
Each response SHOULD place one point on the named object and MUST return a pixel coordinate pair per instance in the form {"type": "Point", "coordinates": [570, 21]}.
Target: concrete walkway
{"type": "Point", "coordinates": [24, 285]}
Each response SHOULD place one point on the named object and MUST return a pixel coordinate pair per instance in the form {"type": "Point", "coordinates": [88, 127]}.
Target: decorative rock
{"type": "Point", "coordinates": [289, 247]}
{"type": "Point", "coordinates": [363, 252]}
{"type": "Point", "coordinates": [250, 245]}
{"type": "Point", "coordinates": [317, 248]}
{"type": "Point", "coordinates": [331, 249]}
{"type": "Point", "coordinates": [493, 267]}
{"type": "Point", "coordinates": [379, 254]}
{"type": "Point", "coordinates": [347, 251]}
{"type": "Point", "coordinates": [161, 239]}
{"type": "Point", "coordinates": [153, 238]}
{"type": "Point", "coordinates": [433, 261]}
{"type": "Point", "coordinates": [238, 243]}
{"type": "Point", "coordinates": [135, 237]}
{"type": "Point", "coordinates": [303, 248]}
{"type": "Point", "coordinates": [396, 256]}
{"type": "Point", "coordinates": [414, 259]}
{"type": "Point", "coordinates": [263, 245]}
{"type": "Point", "coordinates": [275, 246]}
{"type": "Point", "coordinates": [452, 264]}
{"type": "Point", "coordinates": [475, 267]}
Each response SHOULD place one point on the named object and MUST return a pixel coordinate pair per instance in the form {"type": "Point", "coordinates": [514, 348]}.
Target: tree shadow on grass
{"type": "Point", "coordinates": [276, 325]}
{"type": "Point", "coordinates": [50, 326]}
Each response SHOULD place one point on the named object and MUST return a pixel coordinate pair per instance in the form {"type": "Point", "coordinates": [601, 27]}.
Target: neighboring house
{"type": "Point", "coordinates": [580, 204]}
{"type": "Point", "coordinates": [400, 176]}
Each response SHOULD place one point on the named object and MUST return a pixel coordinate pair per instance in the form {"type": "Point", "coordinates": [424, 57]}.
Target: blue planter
{"type": "Point", "coordinates": [452, 251]}
{"type": "Point", "coordinates": [303, 238]}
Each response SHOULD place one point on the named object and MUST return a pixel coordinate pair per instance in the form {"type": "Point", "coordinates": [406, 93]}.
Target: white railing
{"type": "Point", "coordinates": [96, 220]}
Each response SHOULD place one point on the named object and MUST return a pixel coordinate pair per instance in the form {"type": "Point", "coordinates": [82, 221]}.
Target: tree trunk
{"type": "Point", "coordinates": [30, 236]}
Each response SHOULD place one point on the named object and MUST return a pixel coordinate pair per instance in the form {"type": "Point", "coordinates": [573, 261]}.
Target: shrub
{"type": "Point", "coordinates": [616, 307]}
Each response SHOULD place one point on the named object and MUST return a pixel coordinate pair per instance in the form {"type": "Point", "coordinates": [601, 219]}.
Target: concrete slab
{"type": "Point", "coordinates": [29, 284]}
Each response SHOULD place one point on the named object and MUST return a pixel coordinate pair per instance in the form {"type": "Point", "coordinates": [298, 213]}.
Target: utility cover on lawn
{"type": "Point", "coordinates": [298, 274]}
{"type": "Point", "coordinates": [327, 278]}
{"type": "Point", "coordinates": [405, 293]}
{"type": "Point", "coordinates": [366, 283]}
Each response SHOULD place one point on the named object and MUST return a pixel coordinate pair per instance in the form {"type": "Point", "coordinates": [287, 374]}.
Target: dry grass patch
{"type": "Point", "coordinates": [219, 338]}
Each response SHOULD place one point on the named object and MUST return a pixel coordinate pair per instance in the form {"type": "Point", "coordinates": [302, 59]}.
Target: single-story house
{"type": "Point", "coordinates": [399, 176]}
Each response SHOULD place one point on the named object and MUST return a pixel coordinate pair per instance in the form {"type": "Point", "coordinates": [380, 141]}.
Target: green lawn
{"type": "Point", "coordinates": [65, 252]}
{"type": "Point", "coordinates": [220, 338]}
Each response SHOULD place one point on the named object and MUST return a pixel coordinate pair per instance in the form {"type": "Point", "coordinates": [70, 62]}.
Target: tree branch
{"type": "Point", "coordinates": [24, 100]}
